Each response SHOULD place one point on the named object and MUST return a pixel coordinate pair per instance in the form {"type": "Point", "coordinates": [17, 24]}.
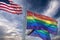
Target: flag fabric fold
{"type": "Point", "coordinates": [41, 33]}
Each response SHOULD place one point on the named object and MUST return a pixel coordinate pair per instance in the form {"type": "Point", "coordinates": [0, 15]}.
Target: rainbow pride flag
{"type": "Point", "coordinates": [40, 23]}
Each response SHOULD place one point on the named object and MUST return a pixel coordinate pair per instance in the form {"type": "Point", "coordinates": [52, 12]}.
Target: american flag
{"type": "Point", "coordinates": [10, 6]}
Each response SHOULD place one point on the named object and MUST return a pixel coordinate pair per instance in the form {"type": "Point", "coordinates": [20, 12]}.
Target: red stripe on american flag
{"type": "Point", "coordinates": [12, 8]}
{"type": "Point", "coordinates": [10, 5]}
{"type": "Point", "coordinates": [9, 8]}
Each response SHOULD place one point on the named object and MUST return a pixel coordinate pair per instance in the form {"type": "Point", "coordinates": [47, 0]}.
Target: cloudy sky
{"type": "Point", "coordinates": [11, 24]}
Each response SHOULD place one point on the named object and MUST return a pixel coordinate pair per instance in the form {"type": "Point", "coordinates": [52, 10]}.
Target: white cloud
{"type": "Point", "coordinates": [52, 8]}
{"type": "Point", "coordinates": [58, 23]}
{"type": "Point", "coordinates": [33, 38]}
{"type": "Point", "coordinates": [56, 38]}
{"type": "Point", "coordinates": [8, 26]}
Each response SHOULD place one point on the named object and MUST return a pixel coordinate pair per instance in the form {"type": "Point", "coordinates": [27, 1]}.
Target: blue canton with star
{"type": "Point", "coordinates": [6, 1]}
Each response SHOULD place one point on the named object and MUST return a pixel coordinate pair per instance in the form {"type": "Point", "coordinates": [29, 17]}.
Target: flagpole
{"type": "Point", "coordinates": [25, 21]}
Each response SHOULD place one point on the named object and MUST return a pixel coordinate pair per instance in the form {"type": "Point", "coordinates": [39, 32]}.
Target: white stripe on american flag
{"type": "Point", "coordinates": [11, 5]}
{"type": "Point", "coordinates": [11, 11]}
{"type": "Point", "coordinates": [12, 8]}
